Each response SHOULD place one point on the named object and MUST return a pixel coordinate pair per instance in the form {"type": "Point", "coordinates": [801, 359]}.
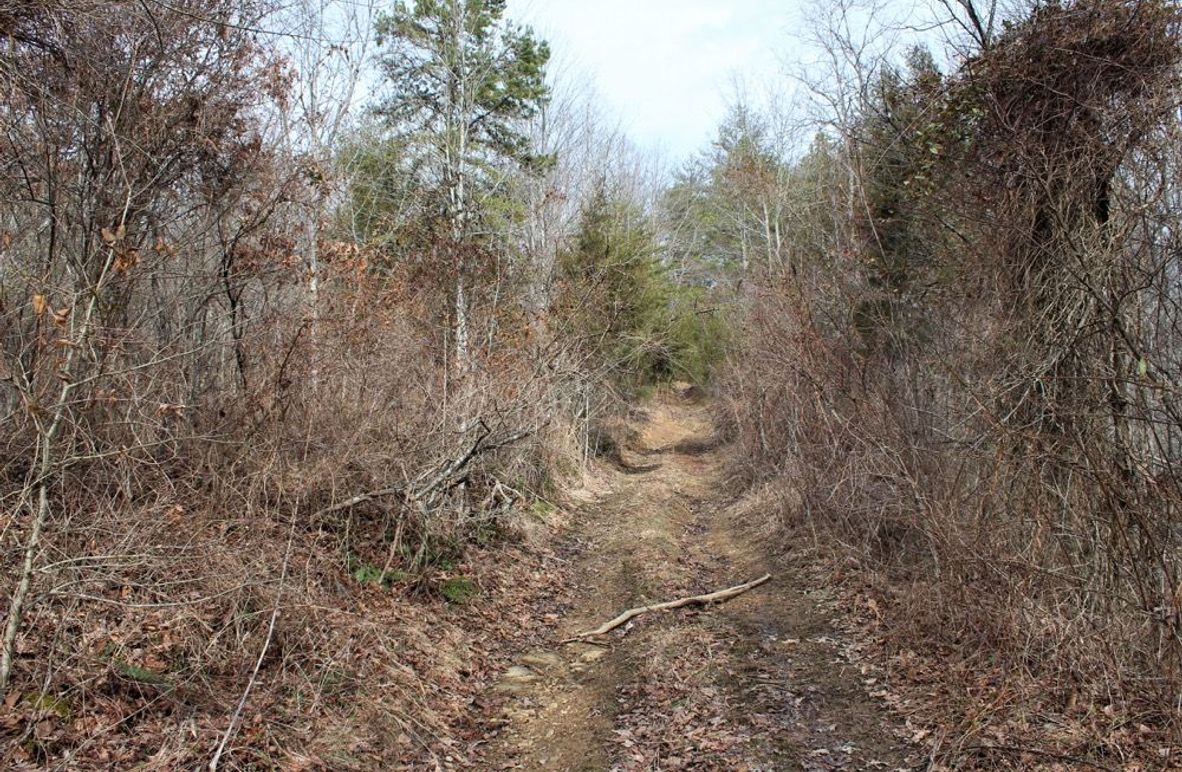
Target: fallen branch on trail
{"type": "Point", "coordinates": [697, 600]}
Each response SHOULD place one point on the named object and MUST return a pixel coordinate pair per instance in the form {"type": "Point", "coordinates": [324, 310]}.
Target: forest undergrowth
{"type": "Point", "coordinates": [310, 311]}
{"type": "Point", "coordinates": [959, 381]}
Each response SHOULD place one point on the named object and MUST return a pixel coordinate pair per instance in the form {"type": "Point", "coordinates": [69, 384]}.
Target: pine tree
{"type": "Point", "coordinates": [463, 80]}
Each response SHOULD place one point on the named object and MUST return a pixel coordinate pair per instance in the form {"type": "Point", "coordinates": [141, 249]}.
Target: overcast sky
{"type": "Point", "coordinates": [665, 68]}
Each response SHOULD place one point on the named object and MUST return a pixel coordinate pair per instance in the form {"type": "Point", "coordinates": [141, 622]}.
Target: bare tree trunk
{"type": "Point", "coordinates": [313, 257]}
{"type": "Point", "coordinates": [462, 360]}
{"type": "Point", "coordinates": [459, 194]}
{"type": "Point", "coordinates": [328, 76]}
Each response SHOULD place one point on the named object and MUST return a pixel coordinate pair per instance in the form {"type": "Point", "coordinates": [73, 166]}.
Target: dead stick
{"type": "Point", "coordinates": [697, 600]}
{"type": "Point", "coordinates": [233, 727]}
{"type": "Point", "coordinates": [359, 499]}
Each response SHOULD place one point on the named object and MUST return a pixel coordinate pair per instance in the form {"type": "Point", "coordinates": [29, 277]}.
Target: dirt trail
{"type": "Point", "coordinates": [760, 683]}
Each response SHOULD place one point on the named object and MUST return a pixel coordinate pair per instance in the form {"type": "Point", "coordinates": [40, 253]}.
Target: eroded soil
{"type": "Point", "coordinates": [764, 682]}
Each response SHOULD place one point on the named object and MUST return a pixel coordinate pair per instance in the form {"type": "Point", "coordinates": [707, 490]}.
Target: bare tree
{"type": "Point", "coordinates": [329, 46]}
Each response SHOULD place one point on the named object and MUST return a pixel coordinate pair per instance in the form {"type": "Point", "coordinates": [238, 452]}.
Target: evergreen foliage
{"type": "Point", "coordinates": [463, 79]}
{"type": "Point", "coordinates": [626, 304]}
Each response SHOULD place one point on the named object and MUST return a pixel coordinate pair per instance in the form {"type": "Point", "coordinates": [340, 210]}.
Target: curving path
{"type": "Point", "coordinates": [760, 683]}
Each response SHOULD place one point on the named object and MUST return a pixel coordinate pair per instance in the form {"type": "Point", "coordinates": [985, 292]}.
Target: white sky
{"type": "Point", "coordinates": [665, 68]}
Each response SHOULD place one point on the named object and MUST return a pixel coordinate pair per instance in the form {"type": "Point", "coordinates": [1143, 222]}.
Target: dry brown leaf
{"type": "Point", "coordinates": [126, 260]}
{"type": "Point", "coordinates": [43, 729]}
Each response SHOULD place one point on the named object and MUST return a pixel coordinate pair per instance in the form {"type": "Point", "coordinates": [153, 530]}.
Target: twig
{"type": "Point", "coordinates": [1039, 752]}
{"type": "Point", "coordinates": [360, 498]}
{"type": "Point", "coordinates": [217, 756]}
{"type": "Point", "coordinates": [61, 592]}
{"type": "Point", "coordinates": [696, 600]}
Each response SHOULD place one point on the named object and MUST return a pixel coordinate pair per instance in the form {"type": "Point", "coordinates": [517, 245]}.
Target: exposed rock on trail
{"type": "Point", "coordinates": [758, 683]}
